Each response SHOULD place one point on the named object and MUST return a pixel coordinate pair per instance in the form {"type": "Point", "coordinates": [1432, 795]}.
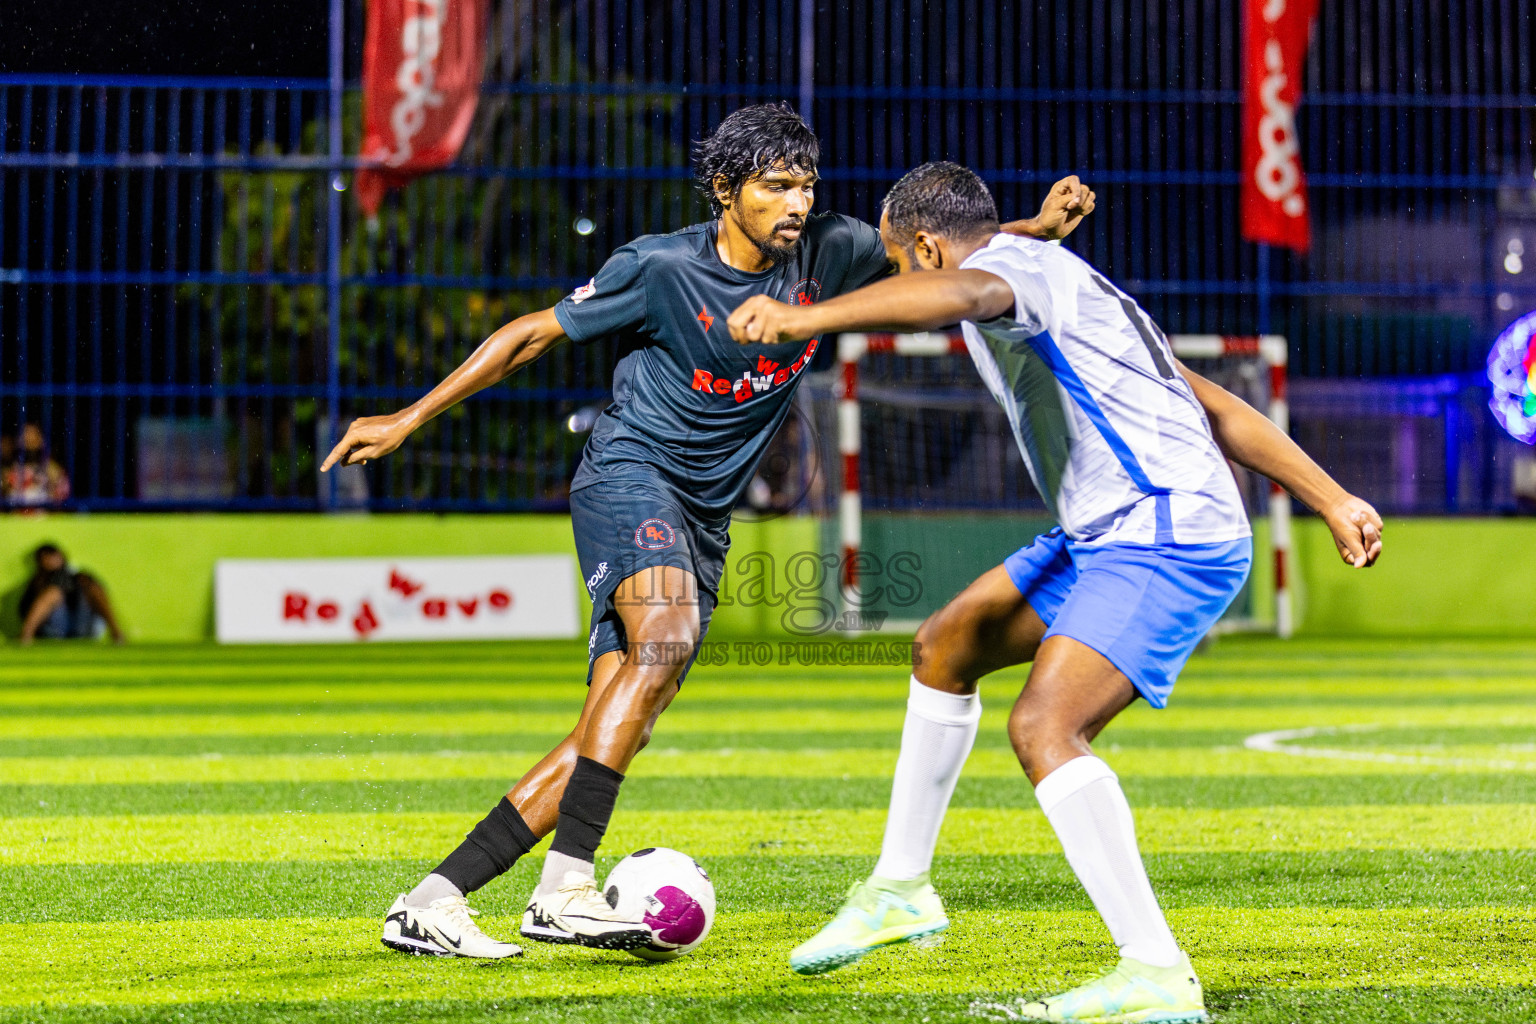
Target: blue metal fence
{"type": "Point", "coordinates": [187, 301]}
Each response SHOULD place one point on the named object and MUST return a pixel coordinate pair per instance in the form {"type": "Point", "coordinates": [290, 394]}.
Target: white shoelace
{"type": "Point", "coordinates": [459, 912]}
{"type": "Point", "coordinates": [586, 900]}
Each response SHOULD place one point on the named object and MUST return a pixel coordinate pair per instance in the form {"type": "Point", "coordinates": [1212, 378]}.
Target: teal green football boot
{"type": "Point", "coordinates": [1132, 993]}
{"type": "Point", "coordinates": [876, 913]}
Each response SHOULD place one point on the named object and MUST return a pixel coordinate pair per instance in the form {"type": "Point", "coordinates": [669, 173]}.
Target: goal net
{"type": "Point", "coordinates": [925, 489]}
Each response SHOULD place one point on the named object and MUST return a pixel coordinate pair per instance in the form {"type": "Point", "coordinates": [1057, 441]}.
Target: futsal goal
{"type": "Point", "coordinates": [924, 489]}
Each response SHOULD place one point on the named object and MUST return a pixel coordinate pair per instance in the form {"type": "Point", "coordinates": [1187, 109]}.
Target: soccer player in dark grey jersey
{"type": "Point", "coordinates": [651, 501]}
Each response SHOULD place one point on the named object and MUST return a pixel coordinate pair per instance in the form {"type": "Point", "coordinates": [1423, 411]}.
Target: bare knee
{"type": "Point", "coordinates": [1043, 741]}
{"type": "Point", "coordinates": [647, 692]}
{"type": "Point", "coordinates": [931, 630]}
{"type": "Point", "coordinates": [662, 646]}
{"type": "Point", "coordinates": [940, 652]}
{"type": "Point", "coordinates": [1027, 730]}
{"type": "Point", "coordinates": [94, 592]}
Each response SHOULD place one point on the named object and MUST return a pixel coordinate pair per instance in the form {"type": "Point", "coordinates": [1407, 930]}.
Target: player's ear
{"type": "Point", "coordinates": [925, 248]}
{"type": "Point", "coordinates": [722, 186]}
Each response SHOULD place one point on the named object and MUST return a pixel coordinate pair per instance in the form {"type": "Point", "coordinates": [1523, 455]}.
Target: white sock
{"type": "Point", "coordinates": [935, 741]}
{"type": "Point", "coordinates": [1083, 801]}
{"type": "Point", "coordinates": [433, 887]}
{"type": "Point", "coordinates": [555, 867]}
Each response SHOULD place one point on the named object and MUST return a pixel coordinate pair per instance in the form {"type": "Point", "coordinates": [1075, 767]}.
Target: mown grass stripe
{"type": "Point", "coordinates": [967, 882]}
{"type": "Point", "coordinates": [328, 722]}
{"type": "Point", "coordinates": [1401, 1004]}
{"type": "Point", "coordinates": [1239, 654]}
{"type": "Point", "coordinates": [244, 960]}
{"type": "Point", "coordinates": [803, 763]}
{"type": "Point", "coordinates": [760, 793]}
{"type": "Point", "coordinates": [202, 837]}
{"type": "Point", "coordinates": [1302, 671]}
{"type": "Point", "coordinates": [1271, 681]}
{"type": "Point", "coordinates": [427, 743]}
{"type": "Point", "coordinates": [721, 690]}
{"type": "Point", "coordinates": [1501, 743]}
{"type": "Point", "coordinates": [683, 720]}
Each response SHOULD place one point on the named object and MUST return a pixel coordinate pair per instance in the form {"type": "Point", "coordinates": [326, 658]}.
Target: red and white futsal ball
{"type": "Point", "coordinates": [671, 891]}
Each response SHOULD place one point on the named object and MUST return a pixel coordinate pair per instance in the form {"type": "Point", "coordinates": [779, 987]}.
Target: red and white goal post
{"type": "Point", "coordinates": [1268, 351]}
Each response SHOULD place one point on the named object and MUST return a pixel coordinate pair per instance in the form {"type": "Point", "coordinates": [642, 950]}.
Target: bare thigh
{"type": "Point", "coordinates": [660, 610]}
{"type": "Point", "coordinates": [987, 626]}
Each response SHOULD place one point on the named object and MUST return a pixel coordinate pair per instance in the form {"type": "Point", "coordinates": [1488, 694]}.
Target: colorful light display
{"type": "Point", "coordinates": [1512, 372]}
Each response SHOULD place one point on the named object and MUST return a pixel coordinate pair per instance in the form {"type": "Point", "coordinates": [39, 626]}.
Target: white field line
{"type": "Point", "coordinates": [1275, 743]}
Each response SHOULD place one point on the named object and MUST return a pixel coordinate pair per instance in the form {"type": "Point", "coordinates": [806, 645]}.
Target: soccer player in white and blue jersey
{"type": "Point", "coordinates": [1128, 448]}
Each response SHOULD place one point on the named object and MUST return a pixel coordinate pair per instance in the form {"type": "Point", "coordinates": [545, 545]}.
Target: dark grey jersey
{"type": "Point", "coordinates": [688, 402]}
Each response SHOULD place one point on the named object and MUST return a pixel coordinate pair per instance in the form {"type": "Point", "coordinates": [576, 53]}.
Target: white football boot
{"type": "Point", "coordinates": [579, 914]}
{"type": "Point", "coordinates": [445, 928]}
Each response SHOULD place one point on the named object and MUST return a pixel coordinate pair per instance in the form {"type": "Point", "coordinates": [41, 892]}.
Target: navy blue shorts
{"type": "Point", "coordinates": [1144, 607]}
{"type": "Point", "coordinates": [624, 526]}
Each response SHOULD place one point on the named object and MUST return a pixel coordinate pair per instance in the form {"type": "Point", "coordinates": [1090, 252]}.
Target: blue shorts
{"type": "Point", "coordinates": [1144, 607]}
{"type": "Point", "coordinates": [623, 526]}
{"type": "Point", "coordinates": [71, 620]}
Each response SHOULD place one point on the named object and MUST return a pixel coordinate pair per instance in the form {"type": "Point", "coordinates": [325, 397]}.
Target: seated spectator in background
{"type": "Point", "coordinates": [31, 478]}
{"type": "Point", "coordinates": [60, 603]}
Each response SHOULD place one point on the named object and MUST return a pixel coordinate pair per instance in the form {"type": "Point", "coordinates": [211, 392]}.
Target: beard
{"type": "Point", "coordinates": [776, 252]}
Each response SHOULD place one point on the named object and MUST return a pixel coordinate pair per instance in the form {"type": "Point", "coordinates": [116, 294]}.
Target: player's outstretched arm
{"type": "Point", "coordinates": [502, 354]}
{"type": "Point", "coordinates": [911, 302]}
{"type": "Point", "coordinates": [1065, 206]}
{"type": "Point", "coordinates": [1250, 439]}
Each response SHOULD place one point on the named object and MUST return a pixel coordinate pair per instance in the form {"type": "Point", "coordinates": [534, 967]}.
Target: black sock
{"type": "Point", "coordinates": [490, 849]}
{"type": "Point", "coordinates": [585, 808]}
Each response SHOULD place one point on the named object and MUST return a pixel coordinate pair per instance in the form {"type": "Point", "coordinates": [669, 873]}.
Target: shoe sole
{"type": "Point", "coordinates": [831, 960]}
{"type": "Point", "coordinates": [625, 940]}
{"type": "Point", "coordinates": [1153, 1017]}
{"type": "Point", "coordinates": [416, 947]}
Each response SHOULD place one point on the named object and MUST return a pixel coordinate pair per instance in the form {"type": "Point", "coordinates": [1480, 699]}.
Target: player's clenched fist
{"type": "Point", "coordinates": [1064, 209]}
{"type": "Point", "coordinates": [1356, 530]}
{"type": "Point", "coordinates": [369, 438]}
{"type": "Point", "coordinates": [763, 320]}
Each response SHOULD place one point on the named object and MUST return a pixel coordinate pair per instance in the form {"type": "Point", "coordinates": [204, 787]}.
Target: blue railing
{"type": "Point", "coordinates": [185, 310]}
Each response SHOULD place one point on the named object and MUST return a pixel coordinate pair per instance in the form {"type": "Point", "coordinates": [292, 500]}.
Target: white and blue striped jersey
{"type": "Point", "coordinates": [1114, 438]}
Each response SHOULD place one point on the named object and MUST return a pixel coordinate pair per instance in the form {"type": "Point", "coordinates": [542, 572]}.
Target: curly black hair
{"type": "Point", "coordinates": [941, 197]}
{"type": "Point", "coordinates": [749, 142]}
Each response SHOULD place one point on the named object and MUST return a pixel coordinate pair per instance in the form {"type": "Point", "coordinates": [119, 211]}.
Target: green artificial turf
{"type": "Point", "coordinates": [211, 835]}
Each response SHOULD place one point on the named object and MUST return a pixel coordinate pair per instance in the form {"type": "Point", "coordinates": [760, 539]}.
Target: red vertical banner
{"type": "Point", "coordinates": [421, 79]}
{"type": "Point", "coordinates": [1274, 189]}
